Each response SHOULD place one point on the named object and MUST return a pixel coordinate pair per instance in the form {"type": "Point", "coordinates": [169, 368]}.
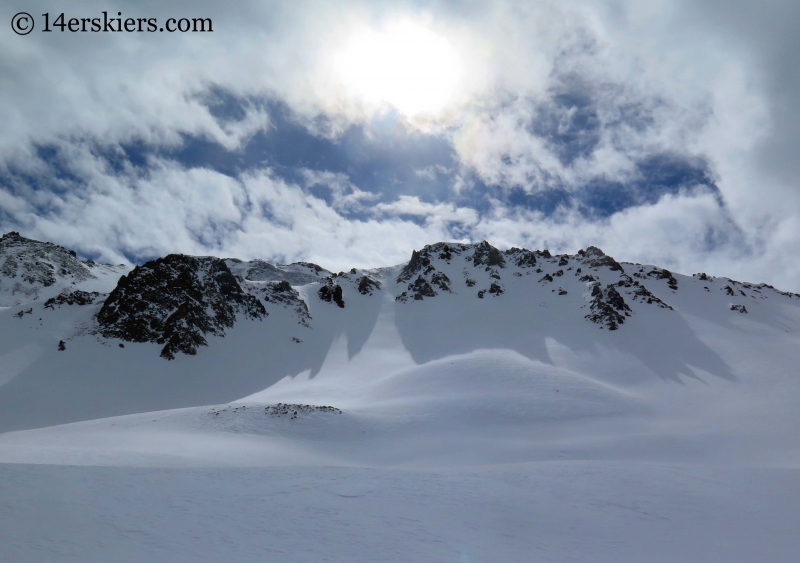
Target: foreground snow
{"type": "Point", "coordinates": [486, 456]}
{"type": "Point", "coordinates": [569, 511]}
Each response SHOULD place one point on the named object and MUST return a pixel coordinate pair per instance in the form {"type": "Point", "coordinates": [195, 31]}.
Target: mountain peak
{"type": "Point", "coordinates": [178, 301]}
{"type": "Point", "coordinates": [175, 301]}
{"type": "Point", "coordinates": [31, 270]}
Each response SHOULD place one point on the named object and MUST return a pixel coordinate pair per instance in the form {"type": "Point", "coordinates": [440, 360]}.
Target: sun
{"type": "Point", "coordinates": [404, 65]}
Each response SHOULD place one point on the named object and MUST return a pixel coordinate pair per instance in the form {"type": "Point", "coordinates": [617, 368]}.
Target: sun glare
{"type": "Point", "coordinates": [405, 65]}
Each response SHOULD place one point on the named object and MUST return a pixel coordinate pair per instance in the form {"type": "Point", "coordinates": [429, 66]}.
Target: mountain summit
{"type": "Point", "coordinates": [251, 323]}
{"type": "Point", "coordinates": [178, 300]}
{"type": "Point", "coordinates": [31, 270]}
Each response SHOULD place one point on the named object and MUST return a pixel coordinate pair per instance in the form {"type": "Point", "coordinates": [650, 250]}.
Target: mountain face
{"type": "Point", "coordinates": [484, 268]}
{"type": "Point", "coordinates": [179, 301]}
{"type": "Point", "coordinates": [176, 301]}
{"type": "Point", "coordinates": [283, 294]}
{"type": "Point", "coordinates": [185, 331]}
{"type": "Point", "coordinates": [31, 270]}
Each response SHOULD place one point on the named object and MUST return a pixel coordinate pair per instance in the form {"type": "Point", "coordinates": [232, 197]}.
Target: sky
{"type": "Point", "coordinates": [350, 133]}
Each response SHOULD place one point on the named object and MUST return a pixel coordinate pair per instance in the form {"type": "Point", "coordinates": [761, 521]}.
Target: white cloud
{"type": "Point", "coordinates": [345, 196]}
{"type": "Point", "coordinates": [199, 211]}
{"type": "Point", "coordinates": [708, 78]}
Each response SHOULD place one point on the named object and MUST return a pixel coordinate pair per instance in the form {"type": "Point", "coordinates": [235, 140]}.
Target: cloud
{"type": "Point", "coordinates": [662, 132]}
{"type": "Point", "coordinates": [116, 216]}
{"type": "Point", "coordinates": [345, 197]}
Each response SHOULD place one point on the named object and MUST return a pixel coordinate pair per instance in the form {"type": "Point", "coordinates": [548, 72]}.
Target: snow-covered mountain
{"type": "Point", "coordinates": [33, 271]}
{"type": "Point", "coordinates": [449, 299]}
{"type": "Point", "coordinates": [463, 358]}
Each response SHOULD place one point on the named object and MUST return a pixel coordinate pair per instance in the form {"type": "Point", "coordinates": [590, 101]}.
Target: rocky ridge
{"type": "Point", "coordinates": [423, 276]}
{"type": "Point", "coordinates": [332, 291]}
{"type": "Point", "coordinates": [298, 273]}
{"type": "Point", "coordinates": [178, 301]}
{"type": "Point", "coordinates": [281, 293]}
{"type": "Point", "coordinates": [31, 270]}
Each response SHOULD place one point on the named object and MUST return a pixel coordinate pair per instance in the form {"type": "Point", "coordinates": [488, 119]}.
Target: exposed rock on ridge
{"type": "Point", "coordinates": [367, 284]}
{"type": "Point", "coordinates": [282, 293]}
{"type": "Point", "coordinates": [298, 273]}
{"type": "Point", "coordinates": [521, 257]}
{"type": "Point", "coordinates": [32, 270]}
{"type": "Point", "coordinates": [423, 277]}
{"type": "Point", "coordinates": [76, 297]}
{"type": "Point", "coordinates": [488, 256]}
{"type": "Point", "coordinates": [427, 276]}
{"type": "Point", "coordinates": [176, 301]}
{"type": "Point", "coordinates": [596, 258]}
{"type": "Point", "coordinates": [332, 293]}
{"type": "Point", "coordinates": [608, 307]}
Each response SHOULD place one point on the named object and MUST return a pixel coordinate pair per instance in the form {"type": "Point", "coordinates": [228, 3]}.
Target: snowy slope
{"type": "Point", "coordinates": [469, 405]}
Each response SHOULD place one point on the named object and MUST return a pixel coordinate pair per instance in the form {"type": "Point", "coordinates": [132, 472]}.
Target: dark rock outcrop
{"type": "Point", "coordinates": [596, 258]}
{"type": "Point", "coordinates": [282, 293]}
{"type": "Point", "coordinates": [176, 301]}
{"type": "Point", "coordinates": [488, 256]}
{"type": "Point", "coordinates": [419, 260]}
{"type": "Point", "coordinates": [608, 307]}
{"type": "Point", "coordinates": [496, 289]}
{"type": "Point", "coordinates": [521, 257]}
{"type": "Point", "coordinates": [76, 297]}
{"type": "Point", "coordinates": [28, 267]}
{"type": "Point", "coordinates": [641, 293]}
{"type": "Point", "coordinates": [332, 293]}
{"type": "Point", "coordinates": [418, 290]}
{"type": "Point", "coordinates": [427, 276]}
{"type": "Point", "coordinates": [663, 274]}
{"type": "Point", "coordinates": [366, 285]}
{"type": "Point", "coordinates": [440, 280]}
{"type": "Point", "coordinates": [420, 287]}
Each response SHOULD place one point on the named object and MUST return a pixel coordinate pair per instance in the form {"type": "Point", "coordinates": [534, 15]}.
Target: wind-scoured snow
{"type": "Point", "coordinates": [471, 405]}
